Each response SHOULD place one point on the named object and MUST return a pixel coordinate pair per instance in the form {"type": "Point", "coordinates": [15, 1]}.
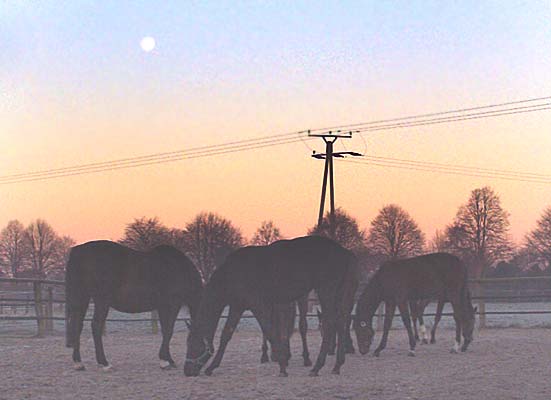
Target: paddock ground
{"type": "Point", "coordinates": [501, 364]}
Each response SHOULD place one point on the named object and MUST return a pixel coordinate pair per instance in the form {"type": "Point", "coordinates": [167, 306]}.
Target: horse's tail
{"type": "Point", "coordinates": [72, 290]}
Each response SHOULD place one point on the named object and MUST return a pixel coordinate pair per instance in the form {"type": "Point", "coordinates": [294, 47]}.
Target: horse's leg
{"type": "Point", "coordinates": [329, 316]}
{"type": "Point", "coordinates": [284, 316]}
{"type": "Point", "coordinates": [404, 313]}
{"type": "Point", "coordinates": [77, 324]}
{"type": "Point", "coordinates": [349, 344]}
{"type": "Point", "coordinates": [457, 317]}
{"type": "Point", "coordinates": [390, 307]}
{"type": "Point", "coordinates": [167, 318]}
{"type": "Point", "coordinates": [303, 328]}
{"type": "Point", "coordinates": [437, 317]}
{"type": "Point", "coordinates": [264, 316]}
{"type": "Point", "coordinates": [101, 309]}
{"type": "Point", "coordinates": [413, 306]}
{"type": "Point", "coordinates": [341, 341]}
{"type": "Point", "coordinates": [227, 333]}
{"type": "Point", "coordinates": [264, 358]}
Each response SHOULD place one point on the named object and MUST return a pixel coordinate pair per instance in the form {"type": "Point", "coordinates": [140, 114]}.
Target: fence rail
{"type": "Point", "coordinates": [42, 299]}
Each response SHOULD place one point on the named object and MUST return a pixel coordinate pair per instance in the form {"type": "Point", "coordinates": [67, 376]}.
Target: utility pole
{"type": "Point", "coordinates": [330, 138]}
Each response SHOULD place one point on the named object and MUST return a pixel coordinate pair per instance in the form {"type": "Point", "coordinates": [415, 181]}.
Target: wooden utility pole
{"type": "Point", "coordinates": [330, 138]}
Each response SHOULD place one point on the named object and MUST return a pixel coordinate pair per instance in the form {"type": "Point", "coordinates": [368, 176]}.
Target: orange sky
{"type": "Point", "coordinates": [72, 96]}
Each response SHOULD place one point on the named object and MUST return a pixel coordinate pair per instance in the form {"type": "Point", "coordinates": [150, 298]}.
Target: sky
{"type": "Point", "coordinates": [76, 87]}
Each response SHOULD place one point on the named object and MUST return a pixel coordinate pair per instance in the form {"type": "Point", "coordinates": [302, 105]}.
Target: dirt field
{"type": "Point", "coordinates": [501, 364]}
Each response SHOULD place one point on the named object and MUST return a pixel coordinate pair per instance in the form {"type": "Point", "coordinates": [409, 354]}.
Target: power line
{"type": "Point", "coordinates": [273, 140]}
{"type": "Point", "coordinates": [447, 171]}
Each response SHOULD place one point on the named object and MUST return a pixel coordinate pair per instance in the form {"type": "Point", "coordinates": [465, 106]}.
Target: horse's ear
{"type": "Point", "coordinates": [188, 324]}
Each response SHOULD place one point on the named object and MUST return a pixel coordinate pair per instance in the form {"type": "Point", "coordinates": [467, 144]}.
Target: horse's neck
{"type": "Point", "coordinates": [209, 312]}
{"type": "Point", "coordinates": [369, 301]}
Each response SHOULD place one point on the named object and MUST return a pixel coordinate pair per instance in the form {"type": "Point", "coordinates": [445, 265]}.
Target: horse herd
{"type": "Point", "coordinates": [266, 280]}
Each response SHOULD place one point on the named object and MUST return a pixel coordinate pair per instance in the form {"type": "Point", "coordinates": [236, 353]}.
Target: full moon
{"type": "Point", "coordinates": [147, 44]}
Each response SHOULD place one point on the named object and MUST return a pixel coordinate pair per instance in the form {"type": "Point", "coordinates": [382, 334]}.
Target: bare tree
{"type": "Point", "coordinates": [439, 242]}
{"type": "Point", "coordinates": [479, 233]}
{"type": "Point", "coordinates": [45, 248]}
{"type": "Point", "coordinates": [395, 234]}
{"type": "Point", "coordinates": [538, 241]}
{"type": "Point", "coordinates": [12, 248]}
{"type": "Point", "coordinates": [145, 233]}
{"type": "Point", "coordinates": [209, 238]}
{"type": "Point", "coordinates": [346, 230]}
{"type": "Point", "coordinates": [266, 234]}
{"type": "Point", "coordinates": [62, 250]}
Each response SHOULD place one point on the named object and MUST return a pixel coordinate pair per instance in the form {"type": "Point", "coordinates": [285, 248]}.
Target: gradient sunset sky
{"type": "Point", "coordinates": [75, 87]}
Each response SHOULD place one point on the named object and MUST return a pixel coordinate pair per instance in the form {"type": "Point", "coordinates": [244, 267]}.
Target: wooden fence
{"type": "Point", "coordinates": [42, 299]}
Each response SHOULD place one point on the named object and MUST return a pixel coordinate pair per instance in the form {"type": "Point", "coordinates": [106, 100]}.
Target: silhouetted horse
{"type": "Point", "coordinates": [287, 312]}
{"type": "Point", "coordinates": [130, 281]}
{"type": "Point", "coordinates": [438, 275]}
{"type": "Point", "coordinates": [257, 278]}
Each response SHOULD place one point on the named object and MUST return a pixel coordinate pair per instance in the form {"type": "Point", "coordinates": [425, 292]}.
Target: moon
{"type": "Point", "coordinates": [147, 44]}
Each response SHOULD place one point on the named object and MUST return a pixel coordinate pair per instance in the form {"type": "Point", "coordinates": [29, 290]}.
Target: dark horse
{"type": "Point", "coordinates": [130, 281]}
{"type": "Point", "coordinates": [259, 278]}
{"type": "Point", "coordinates": [438, 275]}
{"type": "Point", "coordinates": [287, 314]}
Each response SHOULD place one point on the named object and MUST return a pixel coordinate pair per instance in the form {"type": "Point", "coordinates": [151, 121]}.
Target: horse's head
{"type": "Point", "coordinates": [199, 350]}
{"type": "Point", "coordinates": [364, 334]}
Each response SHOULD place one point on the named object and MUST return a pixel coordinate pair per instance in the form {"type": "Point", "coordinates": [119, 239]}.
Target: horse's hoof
{"type": "Point", "coordinates": [313, 373]}
{"type": "Point", "coordinates": [424, 341]}
{"type": "Point", "coordinates": [106, 368]}
{"type": "Point", "coordinates": [264, 360]}
{"type": "Point", "coordinates": [411, 353]}
{"type": "Point", "coordinates": [79, 367]}
{"type": "Point", "coordinates": [376, 354]}
{"type": "Point", "coordinates": [165, 365]}
{"type": "Point", "coordinates": [307, 363]}
{"type": "Point", "coordinates": [208, 372]}
{"type": "Point", "coordinates": [432, 341]}
{"type": "Point", "coordinates": [336, 372]}
{"type": "Point", "coordinates": [453, 350]}
{"type": "Point", "coordinates": [283, 374]}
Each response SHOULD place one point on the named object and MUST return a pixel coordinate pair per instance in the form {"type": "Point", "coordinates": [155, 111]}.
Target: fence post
{"type": "Point", "coordinates": [37, 289]}
{"type": "Point", "coordinates": [50, 311]}
{"type": "Point", "coordinates": [154, 322]}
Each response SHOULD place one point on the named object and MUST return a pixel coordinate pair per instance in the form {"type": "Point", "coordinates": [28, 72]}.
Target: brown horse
{"type": "Point", "coordinates": [130, 281]}
{"type": "Point", "coordinates": [289, 314]}
{"type": "Point", "coordinates": [438, 275]}
{"type": "Point", "coordinates": [259, 278]}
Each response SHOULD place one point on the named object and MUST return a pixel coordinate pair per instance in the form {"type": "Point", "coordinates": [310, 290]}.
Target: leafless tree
{"type": "Point", "coordinates": [47, 251]}
{"type": "Point", "coordinates": [209, 238]}
{"type": "Point", "coordinates": [439, 242]}
{"type": "Point", "coordinates": [346, 231]}
{"type": "Point", "coordinates": [395, 234]}
{"type": "Point", "coordinates": [479, 233]}
{"type": "Point", "coordinates": [12, 248]}
{"type": "Point", "coordinates": [266, 234]}
{"type": "Point", "coordinates": [145, 233]}
{"type": "Point", "coordinates": [538, 241]}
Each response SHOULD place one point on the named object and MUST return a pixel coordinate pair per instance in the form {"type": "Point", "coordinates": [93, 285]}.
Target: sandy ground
{"type": "Point", "coordinates": [501, 364]}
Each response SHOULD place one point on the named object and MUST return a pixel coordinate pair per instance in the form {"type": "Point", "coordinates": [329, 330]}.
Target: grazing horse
{"type": "Point", "coordinates": [260, 278]}
{"type": "Point", "coordinates": [130, 281]}
{"type": "Point", "coordinates": [438, 275]}
{"type": "Point", "coordinates": [288, 313]}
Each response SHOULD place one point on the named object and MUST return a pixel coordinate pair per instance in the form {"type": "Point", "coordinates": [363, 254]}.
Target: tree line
{"type": "Point", "coordinates": [479, 234]}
